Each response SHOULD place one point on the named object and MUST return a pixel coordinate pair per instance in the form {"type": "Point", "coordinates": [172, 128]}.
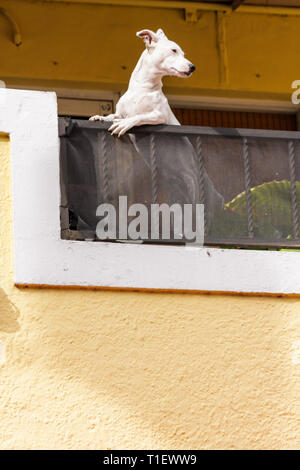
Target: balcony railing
{"type": "Point", "coordinates": [248, 180]}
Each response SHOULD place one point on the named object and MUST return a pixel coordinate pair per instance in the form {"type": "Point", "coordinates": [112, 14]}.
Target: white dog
{"type": "Point", "coordinates": [144, 101]}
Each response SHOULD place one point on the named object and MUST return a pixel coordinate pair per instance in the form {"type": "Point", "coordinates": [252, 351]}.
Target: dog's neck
{"type": "Point", "coordinates": [145, 75]}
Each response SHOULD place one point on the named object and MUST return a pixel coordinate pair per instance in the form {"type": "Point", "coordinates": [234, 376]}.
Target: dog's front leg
{"type": "Point", "coordinates": [110, 117]}
{"type": "Point", "coordinates": [120, 126]}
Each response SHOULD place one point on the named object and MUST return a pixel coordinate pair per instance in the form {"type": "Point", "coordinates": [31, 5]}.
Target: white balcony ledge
{"type": "Point", "coordinates": [43, 258]}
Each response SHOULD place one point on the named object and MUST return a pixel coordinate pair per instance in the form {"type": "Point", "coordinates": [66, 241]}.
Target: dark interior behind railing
{"type": "Point", "coordinates": [248, 180]}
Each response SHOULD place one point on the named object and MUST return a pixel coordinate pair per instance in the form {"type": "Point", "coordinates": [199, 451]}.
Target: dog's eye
{"type": "Point", "coordinates": [174, 50]}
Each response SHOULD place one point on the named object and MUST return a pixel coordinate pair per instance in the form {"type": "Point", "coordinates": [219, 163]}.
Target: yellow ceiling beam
{"type": "Point", "coordinates": [190, 6]}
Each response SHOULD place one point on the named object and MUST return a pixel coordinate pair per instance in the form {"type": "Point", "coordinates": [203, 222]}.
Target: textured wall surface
{"type": "Point", "coordinates": [95, 369]}
{"type": "Point", "coordinates": [95, 47]}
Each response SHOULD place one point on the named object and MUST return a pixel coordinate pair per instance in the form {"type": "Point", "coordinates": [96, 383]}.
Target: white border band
{"type": "Point", "coordinates": [42, 258]}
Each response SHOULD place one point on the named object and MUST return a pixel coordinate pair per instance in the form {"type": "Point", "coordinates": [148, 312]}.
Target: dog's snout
{"type": "Point", "coordinates": [192, 68]}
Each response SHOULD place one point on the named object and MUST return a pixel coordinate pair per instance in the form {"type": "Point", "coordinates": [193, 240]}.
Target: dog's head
{"type": "Point", "coordinates": [166, 55]}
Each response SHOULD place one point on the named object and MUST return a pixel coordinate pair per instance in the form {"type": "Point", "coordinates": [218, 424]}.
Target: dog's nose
{"type": "Point", "coordinates": [192, 68]}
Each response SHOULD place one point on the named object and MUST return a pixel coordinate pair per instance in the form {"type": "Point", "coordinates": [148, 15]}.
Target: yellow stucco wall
{"type": "Point", "coordinates": [90, 46]}
{"type": "Point", "coordinates": [109, 370]}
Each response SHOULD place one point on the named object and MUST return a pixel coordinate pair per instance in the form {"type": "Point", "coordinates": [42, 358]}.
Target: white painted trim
{"type": "Point", "coordinates": [183, 101]}
{"type": "Point", "coordinates": [232, 104]}
{"type": "Point", "coordinates": [41, 257]}
{"type": "Point", "coordinates": [81, 102]}
{"type": "Point", "coordinates": [73, 92]}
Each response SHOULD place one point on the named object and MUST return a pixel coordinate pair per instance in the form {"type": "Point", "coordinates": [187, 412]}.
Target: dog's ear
{"type": "Point", "coordinates": [150, 38]}
{"type": "Point", "coordinates": [160, 34]}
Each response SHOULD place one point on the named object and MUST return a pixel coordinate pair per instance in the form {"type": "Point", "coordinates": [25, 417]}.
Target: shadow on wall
{"type": "Point", "coordinates": [8, 314]}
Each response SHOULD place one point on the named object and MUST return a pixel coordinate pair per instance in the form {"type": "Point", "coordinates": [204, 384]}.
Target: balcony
{"type": "Point", "coordinates": [248, 180]}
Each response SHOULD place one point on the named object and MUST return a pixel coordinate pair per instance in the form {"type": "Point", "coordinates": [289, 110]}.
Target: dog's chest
{"type": "Point", "coordinates": [142, 101]}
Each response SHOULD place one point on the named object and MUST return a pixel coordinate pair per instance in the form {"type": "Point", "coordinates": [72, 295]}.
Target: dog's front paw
{"type": "Point", "coordinates": [120, 126]}
{"type": "Point", "coordinates": [96, 118]}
